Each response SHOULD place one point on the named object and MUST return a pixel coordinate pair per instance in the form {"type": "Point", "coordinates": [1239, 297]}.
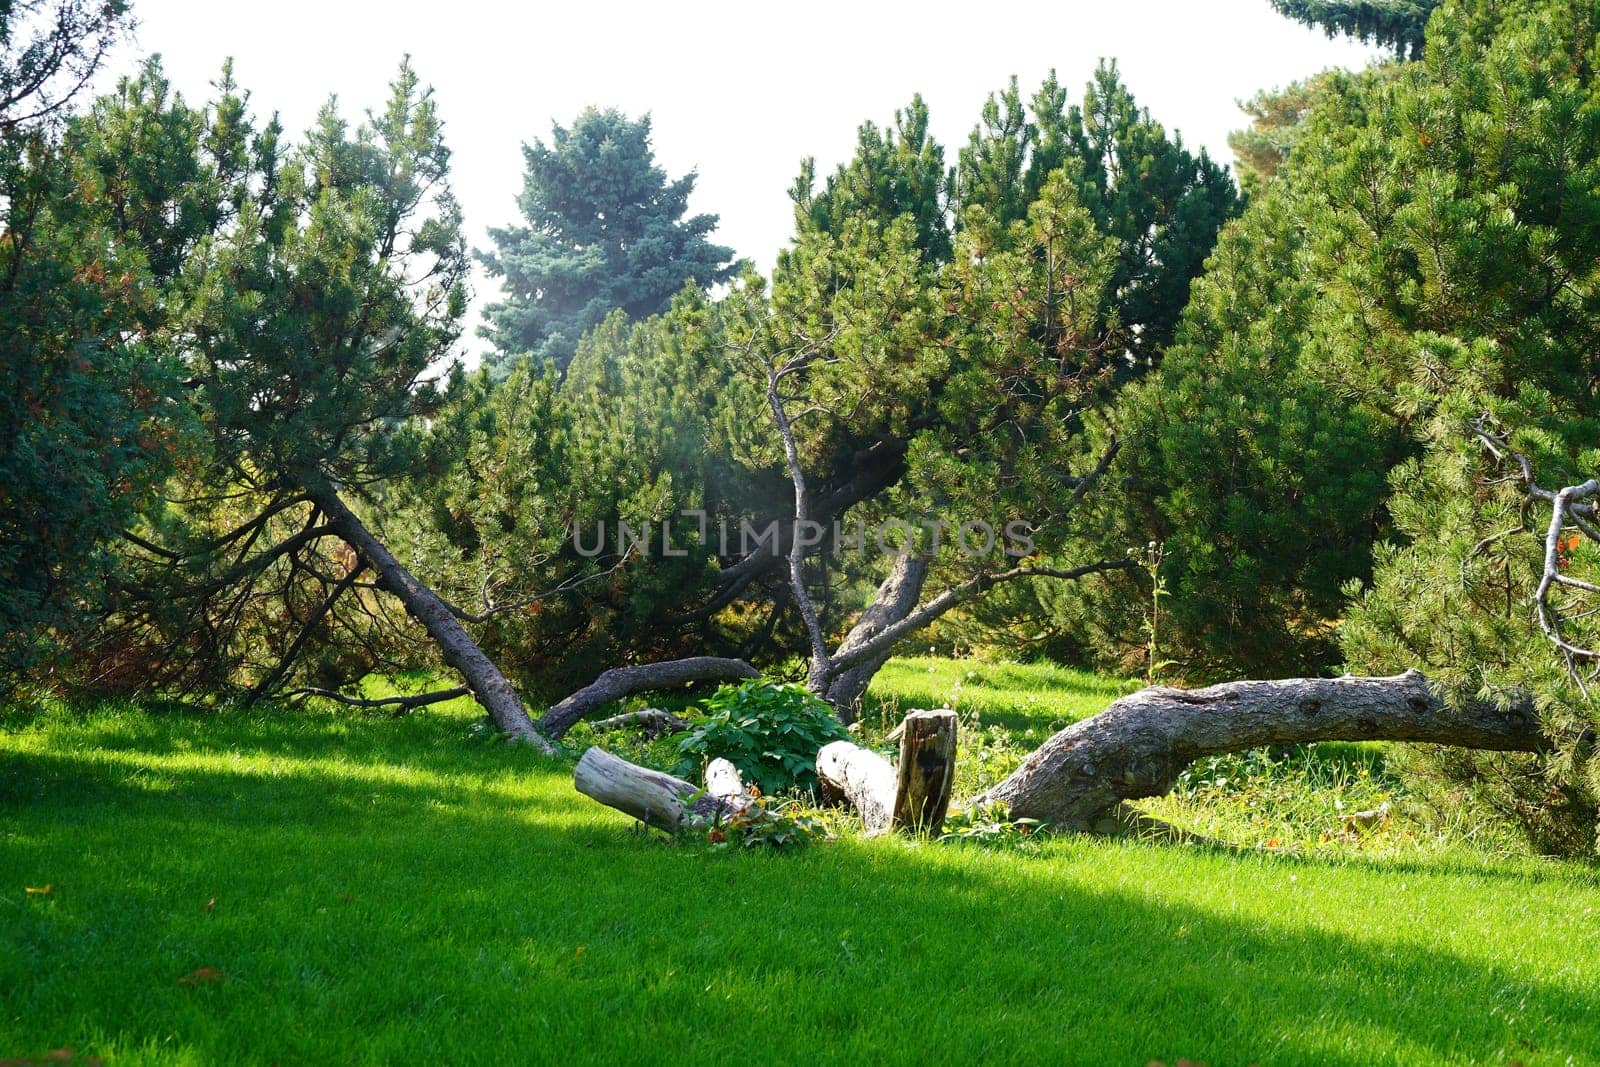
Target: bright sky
{"type": "Point", "coordinates": [739, 92]}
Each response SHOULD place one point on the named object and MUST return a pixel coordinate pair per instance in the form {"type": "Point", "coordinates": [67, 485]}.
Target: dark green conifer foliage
{"type": "Point", "coordinates": [1393, 24]}
{"type": "Point", "coordinates": [1159, 203]}
{"type": "Point", "coordinates": [604, 229]}
{"type": "Point", "coordinates": [898, 170]}
{"type": "Point", "coordinates": [83, 437]}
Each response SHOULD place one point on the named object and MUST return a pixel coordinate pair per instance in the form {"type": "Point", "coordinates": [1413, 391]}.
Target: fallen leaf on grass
{"type": "Point", "coordinates": [40, 890]}
{"type": "Point", "coordinates": [202, 976]}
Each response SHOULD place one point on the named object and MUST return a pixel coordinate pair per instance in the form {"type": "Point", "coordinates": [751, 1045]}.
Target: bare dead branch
{"type": "Point", "coordinates": [398, 705]}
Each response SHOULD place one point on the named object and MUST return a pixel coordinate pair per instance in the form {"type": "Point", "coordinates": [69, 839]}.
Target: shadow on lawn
{"type": "Point", "coordinates": [451, 922]}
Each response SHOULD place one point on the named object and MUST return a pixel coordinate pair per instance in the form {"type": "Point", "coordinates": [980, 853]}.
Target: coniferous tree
{"type": "Point", "coordinates": [898, 170]}
{"type": "Point", "coordinates": [315, 305]}
{"type": "Point", "coordinates": [959, 327]}
{"type": "Point", "coordinates": [1394, 24]}
{"type": "Point", "coordinates": [604, 230]}
{"type": "Point", "coordinates": [1468, 215]}
{"type": "Point", "coordinates": [83, 438]}
{"type": "Point", "coordinates": [1277, 122]}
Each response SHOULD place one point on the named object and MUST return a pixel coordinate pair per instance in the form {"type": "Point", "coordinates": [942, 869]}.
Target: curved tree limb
{"type": "Point", "coordinates": [1570, 506]}
{"type": "Point", "coordinates": [622, 682]}
{"type": "Point", "coordinates": [959, 594]}
{"type": "Point", "coordinates": [1139, 745]}
{"type": "Point", "coordinates": [489, 687]}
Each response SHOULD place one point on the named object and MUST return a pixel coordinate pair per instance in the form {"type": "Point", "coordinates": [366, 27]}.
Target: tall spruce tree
{"type": "Point", "coordinates": [1393, 24]}
{"type": "Point", "coordinates": [604, 230]}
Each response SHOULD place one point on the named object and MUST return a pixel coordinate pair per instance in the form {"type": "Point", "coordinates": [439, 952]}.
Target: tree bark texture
{"type": "Point", "coordinates": [489, 687]}
{"type": "Point", "coordinates": [1139, 745]}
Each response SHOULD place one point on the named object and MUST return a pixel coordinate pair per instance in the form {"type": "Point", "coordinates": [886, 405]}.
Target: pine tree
{"type": "Point", "coordinates": [1277, 122]}
{"type": "Point", "coordinates": [605, 230]}
{"type": "Point", "coordinates": [898, 170]}
{"type": "Point", "coordinates": [83, 440]}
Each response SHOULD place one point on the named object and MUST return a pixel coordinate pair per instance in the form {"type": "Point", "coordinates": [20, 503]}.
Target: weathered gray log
{"type": "Point", "coordinates": [863, 778]}
{"type": "Point", "coordinates": [622, 682]}
{"type": "Point", "coordinates": [926, 771]}
{"type": "Point", "coordinates": [489, 687]}
{"type": "Point", "coordinates": [654, 798]}
{"type": "Point", "coordinates": [653, 721]}
{"type": "Point", "coordinates": [1139, 745]}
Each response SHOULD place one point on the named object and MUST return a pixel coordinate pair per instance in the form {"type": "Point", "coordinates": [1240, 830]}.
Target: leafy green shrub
{"type": "Point", "coordinates": [770, 732]}
{"type": "Point", "coordinates": [990, 824]}
{"type": "Point", "coordinates": [778, 825]}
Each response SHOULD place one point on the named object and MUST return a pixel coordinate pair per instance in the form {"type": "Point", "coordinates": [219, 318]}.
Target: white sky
{"type": "Point", "coordinates": [739, 92]}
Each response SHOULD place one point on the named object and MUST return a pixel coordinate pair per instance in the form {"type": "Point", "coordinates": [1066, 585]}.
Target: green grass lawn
{"type": "Point", "coordinates": [314, 887]}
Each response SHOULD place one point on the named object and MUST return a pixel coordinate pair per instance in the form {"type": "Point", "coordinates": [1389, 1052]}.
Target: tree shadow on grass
{"type": "Point", "coordinates": [419, 920]}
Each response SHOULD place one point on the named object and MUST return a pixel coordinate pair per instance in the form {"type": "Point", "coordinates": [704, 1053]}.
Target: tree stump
{"type": "Point", "coordinates": [913, 796]}
{"type": "Point", "coordinates": [722, 779]}
{"type": "Point", "coordinates": [926, 772]}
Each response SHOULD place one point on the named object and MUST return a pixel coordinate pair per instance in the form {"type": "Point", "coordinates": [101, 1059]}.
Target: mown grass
{"type": "Point", "coordinates": [405, 891]}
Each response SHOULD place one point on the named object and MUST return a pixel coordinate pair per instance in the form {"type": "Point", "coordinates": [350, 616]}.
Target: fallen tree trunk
{"type": "Point", "coordinates": [861, 778]}
{"type": "Point", "coordinates": [658, 799]}
{"type": "Point", "coordinates": [914, 794]}
{"type": "Point", "coordinates": [652, 721]}
{"type": "Point", "coordinates": [1139, 745]}
{"type": "Point", "coordinates": [622, 682]}
{"type": "Point", "coordinates": [489, 687]}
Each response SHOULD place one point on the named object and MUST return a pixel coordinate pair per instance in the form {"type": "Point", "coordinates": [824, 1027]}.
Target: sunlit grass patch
{"type": "Point", "coordinates": [323, 886]}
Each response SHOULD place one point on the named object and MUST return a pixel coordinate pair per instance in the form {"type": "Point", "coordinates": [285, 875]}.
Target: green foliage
{"type": "Point", "coordinates": [770, 732]}
{"type": "Point", "coordinates": [84, 434]}
{"type": "Point", "coordinates": [1394, 24]}
{"type": "Point", "coordinates": [934, 315]}
{"type": "Point", "coordinates": [314, 292]}
{"type": "Point", "coordinates": [1159, 204]}
{"type": "Point", "coordinates": [779, 825]}
{"type": "Point", "coordinates": [1296, 800]}
{"type": "Point", "coordinates": [990, 825]}
{"type": "Point", "coordinates": [605, 230]}
{"type": "Point", "coordinates": [1277, 123]}
{"type": "Point", "coordinates": [1480, 247]}
{"type": "Point", "coordinates": [1263, 479]}
{"type": "Point", "coordinates": [519, 489]}
{"type": "Point", "coordinates": [898, 172]}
